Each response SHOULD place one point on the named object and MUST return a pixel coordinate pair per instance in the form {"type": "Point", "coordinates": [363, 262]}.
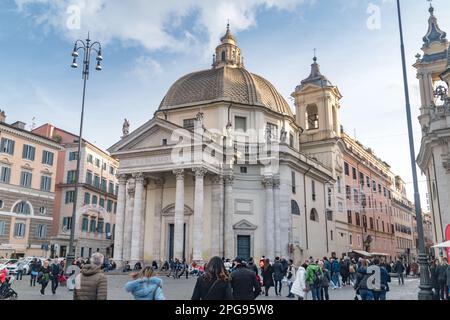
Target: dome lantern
{"type": "Point", "coordinates": [228, 53]}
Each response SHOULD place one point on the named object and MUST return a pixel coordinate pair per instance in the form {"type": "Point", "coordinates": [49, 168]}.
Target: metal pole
{"type": "Point", "coordinates": [425, 292]}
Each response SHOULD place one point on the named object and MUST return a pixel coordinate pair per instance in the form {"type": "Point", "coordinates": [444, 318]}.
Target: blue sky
{"type": "Point", "coordinates": [148, 45]}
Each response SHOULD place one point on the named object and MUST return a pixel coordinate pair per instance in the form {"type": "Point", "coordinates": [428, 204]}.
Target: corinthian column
{"type": "Point", "coordinates": [228, 218]}
{"type": "Point", "coordinates": [137, 218]}
{"type": "Point", "coordinates": [198, 214]}
{"type": "Point", "coordinates": [120, 219]}
{"type": "Point", "coordinates": [217, 216]}
{"type": "Point", "coordinates": [157, 221]}
{"type": "Point", "coordinates": [179, 214]}
{"type": "Point", "coordinates": [128, 224]}
{"type": "Point", "coordinates": [277, 216]}
{"type": "Point", "coordinates": [269, 218]}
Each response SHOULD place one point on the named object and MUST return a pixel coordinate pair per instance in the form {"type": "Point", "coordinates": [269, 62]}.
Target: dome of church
{"type": "Point", "coordinates": [227, 81]}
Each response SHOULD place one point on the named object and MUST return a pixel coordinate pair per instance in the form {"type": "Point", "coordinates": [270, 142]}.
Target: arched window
{"type": "Point", "coordinates": [223, 56]}
{"type": "Point", "coordinates": [22, 208]}
{"type": "Point", "coordinates": [312, 117]}
{"type": "Point", "coordinates": [295, 209]}
{"type": "Point", "coordinates": [314, 216]}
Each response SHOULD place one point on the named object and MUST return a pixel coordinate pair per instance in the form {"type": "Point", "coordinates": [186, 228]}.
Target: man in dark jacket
{"type": "Point", "coordinates": [91, 283]}
{"type": "Point", "coordinates": [252, 266]}
{"type": "Point", "coordinates": [244, 283]}
{"type": "Point", "coordinates": [55, 270]}
{"type": "Point", "coordinates": [399, 269]}
{"type": "Point", "coordinates": [441, 274]}
{"type": "Point", "coordinates": [380, 293]}
{"type": "Point", "coordinates": [278, 274]}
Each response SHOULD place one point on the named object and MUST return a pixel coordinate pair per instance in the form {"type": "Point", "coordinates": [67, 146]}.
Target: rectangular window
{"type": "Point", "coordinates": [357, 219]}
{"type": "Point", "coordinates": [85, 224]}
{"type": "Point", "coordinates": [348, 192]}
{"type": "Point", "coordinates": [47, 158]}
{"type": "Point", "coordinates": [340, 207]}
{"type": "Point", "coordinates": [112, 170]}
{"type": "Point", "coordinates": [108, 229]}
{"type": "Point", "coordinates": [243, 170]}
{"type": "Point", "coordinates": [104, 166]}
{"type": "Point", "coordinates": [41, 231]}
{"type": "Point", "coordinates": [97, 181]}
{"type": "Point", "coordinates": [111, 187]}
{"type": "Point", "coordinates": [346, 169]}
{"type": "Point", "coordinates": [374, 186]}
{"type": "Point", "coordinates": [109, 206]}
{"type": "Point", "coordinates": [354, 173]}
{"type": "Point", "coordinates": [7, 146]}
{"type": "Point", "coordinates": [70, 197]}
{"type": "Point", "coordinates": [351, 239]}
{"type": "Point", "coordinates": [25, 179]}
{"type": "Point", "coordinates": [313, 190]}
{"type": "Point", "coordinates": [87, 198]}
{"type": "Point", "coordinates": [93, 226]}
{"type": "Point", "coordinates": [100, 226]}
{"type": "Point", "coordinates": [329, 197]}
{"type": "Point", "coordinates": [382, 225]}
{"type": "Point", "coordinates": [67, 223]}
{"type": "Point", "coordinates": [94, 200]}
{"type": "Point", "coordinates": [349, 217]}
{"type": "Point", "coordinates": [371, 223]}
{"type": "Point", "coordinates": [379, 188]}
{"type": "Point", "coordinates": [71, 176]}
{"type": "Point", "coordinates": [189, 124]}
{"type": "Point", "coordinates": [293, 182]}
{"type": "Point", "coordinates": [368, 182]}
{"type": "Point", "coordinates": [89, 177]}
{"type": "Point", "coordinates": [240, 123]}
{"type": "Point", "coordinates": [101, 202]}
{"type": "Point", "coordinates": [385, 192]}
{"type": "Point", "coordinates": [97, 162]}
{"type": "Point", "coordinates": [272, 130]}
{"type": "Point", "coordinates": [356, 195]}
{"type": "Point", "coordinates": [104, 185]}
{"type": "Point", "coordinates": [2, 228]}
{"type": "Point", "coordinates": [90, 159]}
{"type": "Point", "coordinates": [46, 183]}
{"type": "Point", "coordinates": [28, 152]}
{"type": "Point", "coordinates": [73, 156]}
{"type": "Point", "coordinates": [5, 175]}
{"type": "Point", "coordinates": [361, 179]}
{"type": "Point", "coordinates": [19, 230]}
{"type": "Point", "coordinates": [115, 207]}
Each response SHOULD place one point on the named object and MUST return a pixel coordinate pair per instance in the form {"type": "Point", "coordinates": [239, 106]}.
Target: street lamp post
{"type": "Point", "coordinates": [425, 292]}
{"type": "Point", "coordinates": [87, 48]}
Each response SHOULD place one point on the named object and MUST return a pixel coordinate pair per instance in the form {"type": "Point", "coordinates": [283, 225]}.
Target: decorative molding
{"type": "Point", "coordinates": [122, 178]}
{"type": "Point", "coordinates": [240, 203]}
{"type": "Point", "coordinates": [267, 182]}
{"type": "Point", "coordinates": [199, 172]}
{"type": "Point", "coordinates": [179, 173]}
{"type": "Point", "coordinates": [217, 179]}
{"type": "Point", "coordinates": [244, 225]}
{"type": "Point", "coordinates": [139, 177]}
{"type": "Point", "coordinates": [170, 210]}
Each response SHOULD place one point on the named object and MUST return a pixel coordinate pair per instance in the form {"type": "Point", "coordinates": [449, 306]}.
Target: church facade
{"type": "Point", "coordinates": [219, 171]}
{"type": "Point", "coordinates": [433, 72]}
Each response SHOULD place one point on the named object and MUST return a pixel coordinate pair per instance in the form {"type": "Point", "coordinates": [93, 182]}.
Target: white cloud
{"type": "Point", "coordinates": [151, 24]}
{"type": "Point", "coordinates": [146, 68]}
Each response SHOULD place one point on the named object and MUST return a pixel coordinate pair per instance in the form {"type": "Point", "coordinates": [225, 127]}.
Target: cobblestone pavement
{"type": "Point", "coordinates": [181, 289]}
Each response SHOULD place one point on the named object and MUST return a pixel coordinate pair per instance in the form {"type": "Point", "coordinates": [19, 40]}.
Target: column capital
{"type": "Point", "coordinates": [131, 190]}
{"type": "Point", "coordinates": [229, 180]}
{"type": "Point", "coordinates": [268, 182]}
{"type": "Point", "coordinates": [179, 173]}
{"type": "Point", "coordinates": [217, 179]}
{"type": "Point", "coordinates": [122, 178]}
{"type": "Point", "coordinates": [199, 172]}
{"type": "Point", "coordinates": [276, 182]}
{"type": "Point", "coordinates": [139, 177]}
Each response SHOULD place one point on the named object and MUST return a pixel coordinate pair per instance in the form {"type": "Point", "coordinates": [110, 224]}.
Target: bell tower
{"type": "Point", "coordinates": [317, 103]}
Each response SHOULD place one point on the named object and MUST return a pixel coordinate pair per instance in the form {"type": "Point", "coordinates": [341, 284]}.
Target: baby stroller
{"type": "Point", "coordinates": [6, 291]}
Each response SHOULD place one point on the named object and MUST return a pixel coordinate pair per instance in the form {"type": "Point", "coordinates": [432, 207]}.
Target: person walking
{"type": "Point", "coordinates": [145, 286]}
{"type": "Point", "coordinates": [214, 284]}
{"type": "Point", "coordinates": [344, 271]}
{"type": "Point", "coordinates": [44, 276]}
{"type": "Point", "coordinates": [252, 266]}
{"type": "Point", "coordinates": [314, 278]}
{"type": "Point", "coordinates": [434, 278]}
{"type": "Point", "coordinates": [278, 274]}
{"type": "Point", "coordinates": [35, 268]}
{"type": "Point", "coordinates": [267, 275]}
{"type": "Point", "coordinates": [441, 272]}
{"type": "Point", "coordinates": [325, 282]}
{"type": "Point", "coordinates": [91, 283]}
{"type": "Point", "coordinates": [184, 269]}
{"type": "Point", "coordinates": [400, 269]}
{"type": "Point", "coordinates": [335, 270]}
{"type": "Point", "coordinates": [54, 275]}
{"type": "Point", "coordinates": [290, 276]}
{"type": "Point", "coordinates": [299, 287]}
{"type": "Point", "coordinates": [385, 278]}
{"type": "Point", "coordinates": [244, 282]}
{"type": "Point", "coordinates": [361, 285]}
{"type": "Point", "coordinates": [20, 267]}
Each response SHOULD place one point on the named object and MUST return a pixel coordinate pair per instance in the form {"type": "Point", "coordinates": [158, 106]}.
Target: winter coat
{"type": "Point", "coordinates": [291, 273]}
{"type": "Point", "coordinates": [55, 270]}
{"type": "Point", "coordinates": [335, 267]}
{"type": "Point", "coordinates": [344, 268]}
{"type": "Point", "coordinates": [44, 275]}
{"type": "Point", "coordinates": [267, 276]}
{"type": "Point", "coordinates": [448, 276]}
{"type": "Point", "coordinates": [385, 278]}
{"type": "Point", "coordinates": [244, 284]}
{"type": "Point", "coordinates": [441, 273]}
{"type": "Point", "coordinates": [361, 279]}
{"type": "Point", "coordinates": [91, 284]}
{"type": "Point", "coordinates": [278, 271]}
{"type": "Point", "coordinates": [399, 267]}
{"type": "Point", "coordinates": [146, 289]}
{"type": "Point", "coordinates": [326, 278]}
{"type": "Point", "coordinates": [311, 274]}
{"type": "Point", "coordinates": [434, 276]}
{"type": "Point", "coordinates": [204, 291]}
{"type": "Point", "coordinates": [327, 265]}
{"type": "Point", "coordinates": [299, 285]}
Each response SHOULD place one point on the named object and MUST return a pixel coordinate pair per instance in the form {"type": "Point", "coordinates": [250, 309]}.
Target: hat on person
{"type": "Point", "coordinates": [238, 260]}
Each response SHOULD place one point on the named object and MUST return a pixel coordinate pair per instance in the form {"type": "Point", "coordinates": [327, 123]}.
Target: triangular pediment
{"type": "Point", "coordinates": [148, 136]}
{"type": "Point", "coordinates": [245, 225]}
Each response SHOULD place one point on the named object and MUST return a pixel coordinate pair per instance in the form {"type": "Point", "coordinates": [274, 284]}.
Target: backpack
{"type": "Point", "coordinates": [318, 277]}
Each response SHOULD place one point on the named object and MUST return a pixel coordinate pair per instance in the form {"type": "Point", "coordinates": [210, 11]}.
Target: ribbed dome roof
{"type": "Point", "coordinates": [229, 84]}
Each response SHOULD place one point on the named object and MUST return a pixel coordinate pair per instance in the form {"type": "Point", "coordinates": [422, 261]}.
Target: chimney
{"type": "Point", "coordinates": [19, 125]}
{"type": "Point", "coordinates": [2, 116]}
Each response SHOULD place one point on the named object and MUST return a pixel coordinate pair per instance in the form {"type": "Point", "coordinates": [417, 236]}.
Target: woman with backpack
{"type": "Point", "coordinates": [145, 286]}
{"type": "Point", "coordinates": [44, 276]}
{"type": "Point", "coordinates": [214, 284]}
